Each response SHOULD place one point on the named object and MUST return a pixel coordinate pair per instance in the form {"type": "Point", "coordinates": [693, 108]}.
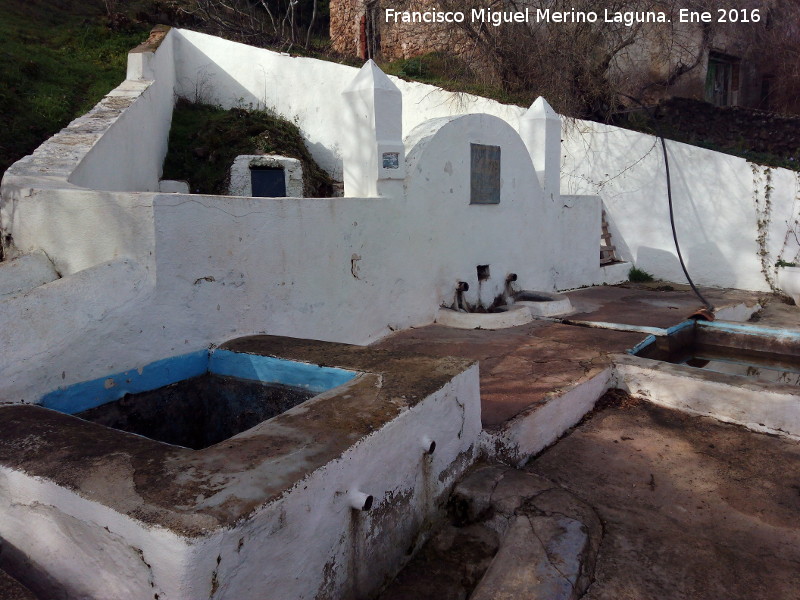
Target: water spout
{"type": "Point", "coordinates": [458, 302]}
{"type": "Point", "coordinates": [508, 292]}
{"type": "Point", "coordinates": [360, 500]}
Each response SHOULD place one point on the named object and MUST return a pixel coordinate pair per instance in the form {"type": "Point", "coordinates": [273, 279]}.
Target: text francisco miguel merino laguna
{"type": "Point", "coordinates": [546, 15]}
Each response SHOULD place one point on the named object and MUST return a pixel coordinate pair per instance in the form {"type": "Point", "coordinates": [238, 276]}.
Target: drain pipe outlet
{"type": "Point", "coordinates": [459, 304]}
{"type": "Point", "coordinates": [360, 500]}
{"type": "Point", "coordinates": [428, 445]}
{"type": "Point", "coordinates": [509, 290]}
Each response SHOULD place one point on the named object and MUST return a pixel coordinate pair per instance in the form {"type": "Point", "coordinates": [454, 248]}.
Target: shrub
{"type": "Point", "coordinates": [639, 276]}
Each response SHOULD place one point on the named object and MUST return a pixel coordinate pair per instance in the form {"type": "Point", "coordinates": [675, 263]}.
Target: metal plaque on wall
{"type": "Point", "coordinates": [484, 174]}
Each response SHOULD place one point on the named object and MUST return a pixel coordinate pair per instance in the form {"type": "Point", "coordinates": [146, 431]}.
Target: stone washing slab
{"type": "Point", "coordinates": [549, 539]}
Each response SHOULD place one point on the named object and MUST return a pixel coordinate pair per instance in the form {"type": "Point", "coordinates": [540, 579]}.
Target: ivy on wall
{"type": "Point", "coordinates": [762, 198]}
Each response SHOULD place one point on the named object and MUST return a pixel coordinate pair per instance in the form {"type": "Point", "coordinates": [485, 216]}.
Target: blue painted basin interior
{"type": "Point", "coordinates": [90, 394]}
{"type": "Point", "coordinates": [764, 354]}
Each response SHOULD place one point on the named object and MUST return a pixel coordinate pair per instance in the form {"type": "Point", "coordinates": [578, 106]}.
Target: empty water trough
{"type": "Point", "coordinates": [229, 507]}
{"type": "Point", "coordinates": [734, 372]}
{"type": "Point", "coordinates": [763, 354]}
{"type": "Point", "coordinates": [198, 399]}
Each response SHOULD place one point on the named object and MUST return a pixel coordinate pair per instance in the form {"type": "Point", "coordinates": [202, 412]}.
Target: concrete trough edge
{"type": "Point", "coordinates": [723, 397]}
{"type": "Point", "coordinates": [536, 428]}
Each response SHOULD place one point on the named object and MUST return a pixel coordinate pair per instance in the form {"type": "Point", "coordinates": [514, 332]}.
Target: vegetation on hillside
{"type": "Point", "coordinates": [759, 136]}
{"type": "Point", "coordinates": [57, 59]}
{"type": "Point", "coordinates": [204, 141]}
{"type": "Point", "coordinates": [454, 74]}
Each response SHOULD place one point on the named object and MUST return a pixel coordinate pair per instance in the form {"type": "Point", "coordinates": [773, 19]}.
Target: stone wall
{"type": "Point", "coordinates": [392, 39]}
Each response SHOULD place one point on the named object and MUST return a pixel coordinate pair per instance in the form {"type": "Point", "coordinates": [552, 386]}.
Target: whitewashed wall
{"type": "Point", "coordinates": [50, 200]}
{"type": "Point", "coordinates": [130, 154]}
{"type": "Point", "coordinates": [97, 315]}
{"type": "Point", "coordinates": [713, 192]}
{"type": "Point", "coordinates": [523, 234]}
{"type": "Point", "coordinates": [149, 275]}
{"type": "Point", "coordinates": [354, 269]}
{"type": "Point", "coordinates": [211, 69]}
{"type": "Point", "coordinates": [716, 197]}
{"type": "Point", "coordinates": [349, 269]}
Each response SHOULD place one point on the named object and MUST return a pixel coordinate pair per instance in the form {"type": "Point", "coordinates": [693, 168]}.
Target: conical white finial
{"type": "Point", "coordinates": [540, 129]}
{"type": "Point", "coordinates": [372, 137]}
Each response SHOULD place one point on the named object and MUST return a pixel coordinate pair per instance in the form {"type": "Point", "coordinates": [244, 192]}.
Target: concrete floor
{"type": "Point", "coordinates": [522, 365]}
{"type": "Point", "coordinates": [691, 508]}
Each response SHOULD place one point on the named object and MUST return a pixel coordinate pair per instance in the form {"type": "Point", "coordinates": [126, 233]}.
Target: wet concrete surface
{"type": "Point", "coordinates": [656, 304]}
{"type": "Point", "coordinates": [521, 366]}
{"type": "Point", "coordinates": [691, 508]}
{"type": "Point", "coordinates": [779, 314]}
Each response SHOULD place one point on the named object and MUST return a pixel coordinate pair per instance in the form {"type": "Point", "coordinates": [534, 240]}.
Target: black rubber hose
{"type": "Point", "coordinates": [657, 129]}
{"type": "Point", "coordinates": [672, 223]}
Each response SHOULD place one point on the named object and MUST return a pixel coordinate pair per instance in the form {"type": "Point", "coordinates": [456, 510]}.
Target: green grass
{"type": "Point", "coordinates": [204, 140]}
{"type": "Point", "coordinates": [57, 59]}
{"type": "Point", "coordinates": [639, 276]}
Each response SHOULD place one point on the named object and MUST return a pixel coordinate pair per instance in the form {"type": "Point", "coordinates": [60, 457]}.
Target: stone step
{"type": "Point", "coordinates": [514, 535]}
{"type": "Point", "coordinates": [11, 589]}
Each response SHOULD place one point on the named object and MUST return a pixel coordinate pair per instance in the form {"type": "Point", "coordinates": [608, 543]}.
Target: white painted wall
{"type": "Point", "coordinates": [451, 237]}
{"type": "Point", "coordinates": [231, 74]}
{"type": "Point", "coordinates": [715, 200]}
{"type": "Point", "coordinates": [376, 264]}
{"type": "Point", "coordinates": [153, 275]}
{"type": "Point", "coordinates": [315, 268]}
{"type": "Point", "coordinates": [64, 330]}
{"type": "Point", "coordinates": [25, 273]}
{"type": "Point", "coordinates": [374, 254]}
{"type": "Point", "coordinates": [131, 151]}
{"type": "Point", "coordinates": [713, 192]}
{"type": "Point", "coordinates": [348, 269]}
{"type": "Point", "coordinates": [78, 228]}
{"type": "Point", "coordinates": [49, 200]}
{"type": "Point", "coordinates": [74, 548]}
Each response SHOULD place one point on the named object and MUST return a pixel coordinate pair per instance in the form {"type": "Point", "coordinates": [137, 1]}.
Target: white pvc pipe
{"type": "Point", "coordinates": [428, 445]}
{"type": "Point", "coordinates": [360, 500]}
